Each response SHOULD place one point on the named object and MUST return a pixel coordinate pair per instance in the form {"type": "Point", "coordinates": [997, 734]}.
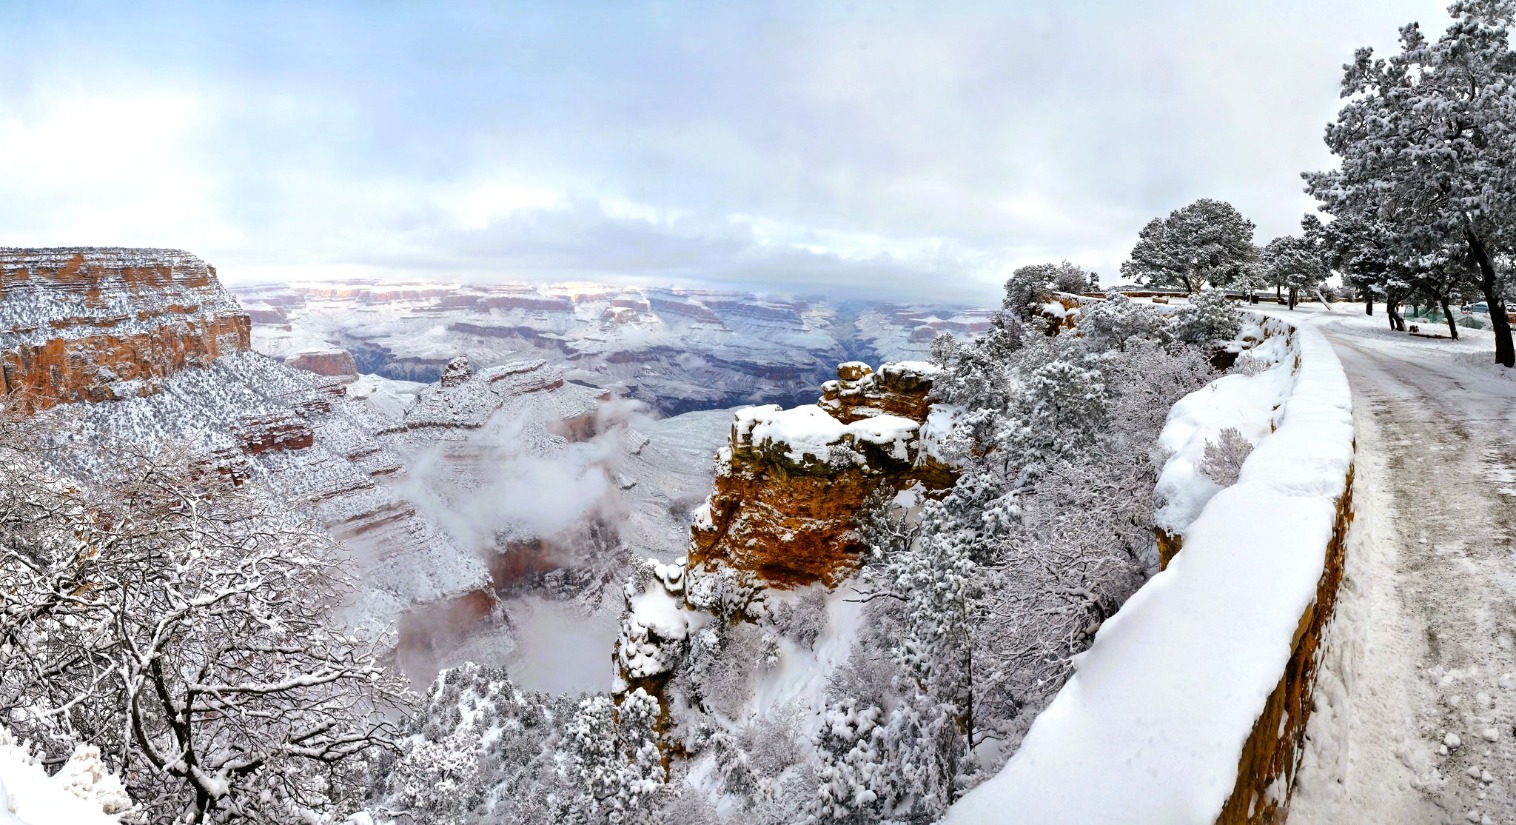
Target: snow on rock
{"type": "Point", "coordinates": [807, 436]}
{"type": "Point", "coordinates": [83, 792]}
{"type": "Point", "coordinates": [1153, 725]}
{"type": "Point", "coordinates": [792, 483]}
{"type": "Point", "coordinates": [101, 324]}
{"type": "Point", "coordinates": [655, 625]}
{"type": "Point", "coordinates": [899, 388]}
{"type": "Point", "coordinates": [1249, 402]}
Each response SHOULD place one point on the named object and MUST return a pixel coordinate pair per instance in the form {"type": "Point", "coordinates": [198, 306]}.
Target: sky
{"type": "Point", "coordinates": [898, 150]}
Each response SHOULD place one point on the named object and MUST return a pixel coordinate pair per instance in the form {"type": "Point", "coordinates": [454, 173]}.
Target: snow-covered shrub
{"type": "Point", "coordinates": [1062, 406]}
{"type": "Point", "coordinates": [1223, 457]}
{"type": "Point", "coordinates": [1210, 318]}
{"type": "Point", "coordinates": [1028, 286]}
{"type": "Point", "coordinates": [1249, 364]}
{"type": "Point", "coordinates": [719, 669]}
{"type": "Point", "coordinates": [148, 612]}
{"type": "Point", "coordinates": [480, 750]}
{"type": "Point", "coordinates": [1111, 323]}
{"type": "Point", "coordinates": [758, 760]}
{"type": "Point", "coordinates": [851, 745]}
{"type": "Point", "coordinates": [802, 620]}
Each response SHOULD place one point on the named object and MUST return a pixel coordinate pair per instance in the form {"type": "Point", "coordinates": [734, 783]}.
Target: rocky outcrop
{"type": "Point", "coordinates": [457, 372]}
{"type": "Point", "coordinates": [333, 362]}
{"type": "Point", "coordinates": [464, 399]}
{"type": "Point", "coordinates": [897, 389]}
{"type": "Point", "coordinates": [792, 485]}
{"type": "Point", "coordinates": [260, 434]}
{"type": "Point", "coordinates": [102, 324]}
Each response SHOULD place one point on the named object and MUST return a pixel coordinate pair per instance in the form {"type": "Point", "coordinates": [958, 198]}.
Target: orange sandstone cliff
{"type": "Point", "coordinates": [101, 324]}
{"type": "Point", "coordinates": [792, 486]}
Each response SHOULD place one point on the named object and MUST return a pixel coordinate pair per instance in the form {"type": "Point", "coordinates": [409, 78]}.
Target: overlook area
{"type": "Point", "coordinates": [932, 412]}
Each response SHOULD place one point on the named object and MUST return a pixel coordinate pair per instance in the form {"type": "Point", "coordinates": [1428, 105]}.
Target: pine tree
{"type": "Point", "coordinates": [1207, 243]}
{"type": "Point", "coordinates": [1295, 263]}
{"type": "Point", "coordinates": [1427, 144]}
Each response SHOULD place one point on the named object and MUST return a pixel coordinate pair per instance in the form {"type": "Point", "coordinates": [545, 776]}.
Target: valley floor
{"type": "Point", "coordinates": [1417, 694]}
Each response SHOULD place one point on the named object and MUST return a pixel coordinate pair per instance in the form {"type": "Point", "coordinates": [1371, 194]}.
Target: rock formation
{"type": "Point", "coordinates": [792, 485]}
{"type": "Point", "coordinates": [897, 389]}
{"type": "Point", "coordinates": [457, 372]}
{"type": "Point", "coordinates": [337, 363]}
{"type": "Point", "coordinates": [102, 324]}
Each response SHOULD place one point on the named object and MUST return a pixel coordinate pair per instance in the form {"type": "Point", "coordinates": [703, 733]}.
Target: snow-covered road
{"type": "Point", "coordinates": [1417, 695]}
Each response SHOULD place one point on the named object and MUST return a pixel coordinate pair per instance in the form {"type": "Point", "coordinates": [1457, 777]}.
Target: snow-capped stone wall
{"type": "Point", "coordinates": [1191, 703]}
{"type": "Point", "coordinates": [1250, 401]}
{"type": "Point", "coordinates": [103, 324]}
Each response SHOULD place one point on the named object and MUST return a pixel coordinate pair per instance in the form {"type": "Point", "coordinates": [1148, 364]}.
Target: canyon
{"type": "Point", "coordinates": [450, 498]}
{"type": "Point", "coordinates": [94, 324]}
{"type": "Point", "coordinates": [676, 350]}
{"type": "Point", "coordinates": [491, 457]}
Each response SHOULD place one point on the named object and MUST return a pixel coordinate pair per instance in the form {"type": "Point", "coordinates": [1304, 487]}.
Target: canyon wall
{"type": "Point", "coordinates": [100, 324]}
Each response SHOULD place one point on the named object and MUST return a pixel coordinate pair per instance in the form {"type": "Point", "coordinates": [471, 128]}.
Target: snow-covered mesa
{"type": "Point", "coordinates": [1153, 723]}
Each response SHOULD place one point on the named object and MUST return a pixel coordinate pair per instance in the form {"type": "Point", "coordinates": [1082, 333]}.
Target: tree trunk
{"type": "Point", "coordinates": [1292, 298]}
{"type": "Point", "coordinates": [1278, 293]}
{"type": "Point", "coordinates": [1505, 354]}
{"type": "Point", "coordinates": [1448, 314]}
{"type": "Point", "coordinates": [1368, 303]}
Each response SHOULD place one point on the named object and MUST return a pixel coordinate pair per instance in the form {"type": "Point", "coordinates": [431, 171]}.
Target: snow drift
{"type": "Point", "coordinates": [1170, 717]}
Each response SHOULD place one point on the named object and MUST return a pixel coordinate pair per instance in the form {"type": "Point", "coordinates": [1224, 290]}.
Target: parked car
{"type": "Point", "coordinates": [1480, 308]}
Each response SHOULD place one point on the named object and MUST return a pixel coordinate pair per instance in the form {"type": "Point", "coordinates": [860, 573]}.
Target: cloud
{"type": "Point", "coordinates": [907, 149]}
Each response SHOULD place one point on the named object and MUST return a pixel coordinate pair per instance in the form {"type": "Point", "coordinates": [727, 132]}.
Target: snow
{"type": "Point", "coordinates": [1422, 643]}
{"type": "Point", "coordinates": [1248, 403]}
{"type": "Point", "coordinates": [918, 367]}
{"type": "Point", "coordinates": [77, 795]}
{"type": "Point", "coordinates": [1151, 726]}
{"type": "Point", "coordinates": [811, 433]}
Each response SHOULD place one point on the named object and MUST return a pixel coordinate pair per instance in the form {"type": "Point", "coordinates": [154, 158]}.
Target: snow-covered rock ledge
{"type": "Point", "coordinates": [1190, 705]}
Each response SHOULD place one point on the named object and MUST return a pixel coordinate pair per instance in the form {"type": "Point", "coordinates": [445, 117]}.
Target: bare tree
{"type": "Point", "coordinates": [185, 627]}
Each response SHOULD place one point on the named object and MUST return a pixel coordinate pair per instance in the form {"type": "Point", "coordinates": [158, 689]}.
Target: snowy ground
{"type": "Point", "coordinates": [1417, 693]}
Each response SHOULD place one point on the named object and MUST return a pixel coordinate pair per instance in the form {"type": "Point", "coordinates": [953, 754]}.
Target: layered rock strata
{"type": "Point", "coordinates": [103, 324]}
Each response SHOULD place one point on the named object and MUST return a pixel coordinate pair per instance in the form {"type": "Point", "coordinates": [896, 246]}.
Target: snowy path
{"type": "Point", "coordinates": [1417, 694]}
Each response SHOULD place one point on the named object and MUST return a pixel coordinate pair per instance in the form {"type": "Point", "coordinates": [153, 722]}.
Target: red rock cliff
{"type": "Point", "coordinates": [98, 324]}
{"type": "Point", "coordinates": [792, 485]}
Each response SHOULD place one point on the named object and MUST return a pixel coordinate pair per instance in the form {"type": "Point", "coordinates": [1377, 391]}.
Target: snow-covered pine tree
{"type": "Point", "coordinates": [1205, 244]}
{"type": "Point", "coordinates": [1029, 286]}
{"type": "Point", "coordinates": [1295, 263]}
{"type": "Point", "coordinates": [1208, 320]}
{"type": "Point", "coordinates": [1425, 143]}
